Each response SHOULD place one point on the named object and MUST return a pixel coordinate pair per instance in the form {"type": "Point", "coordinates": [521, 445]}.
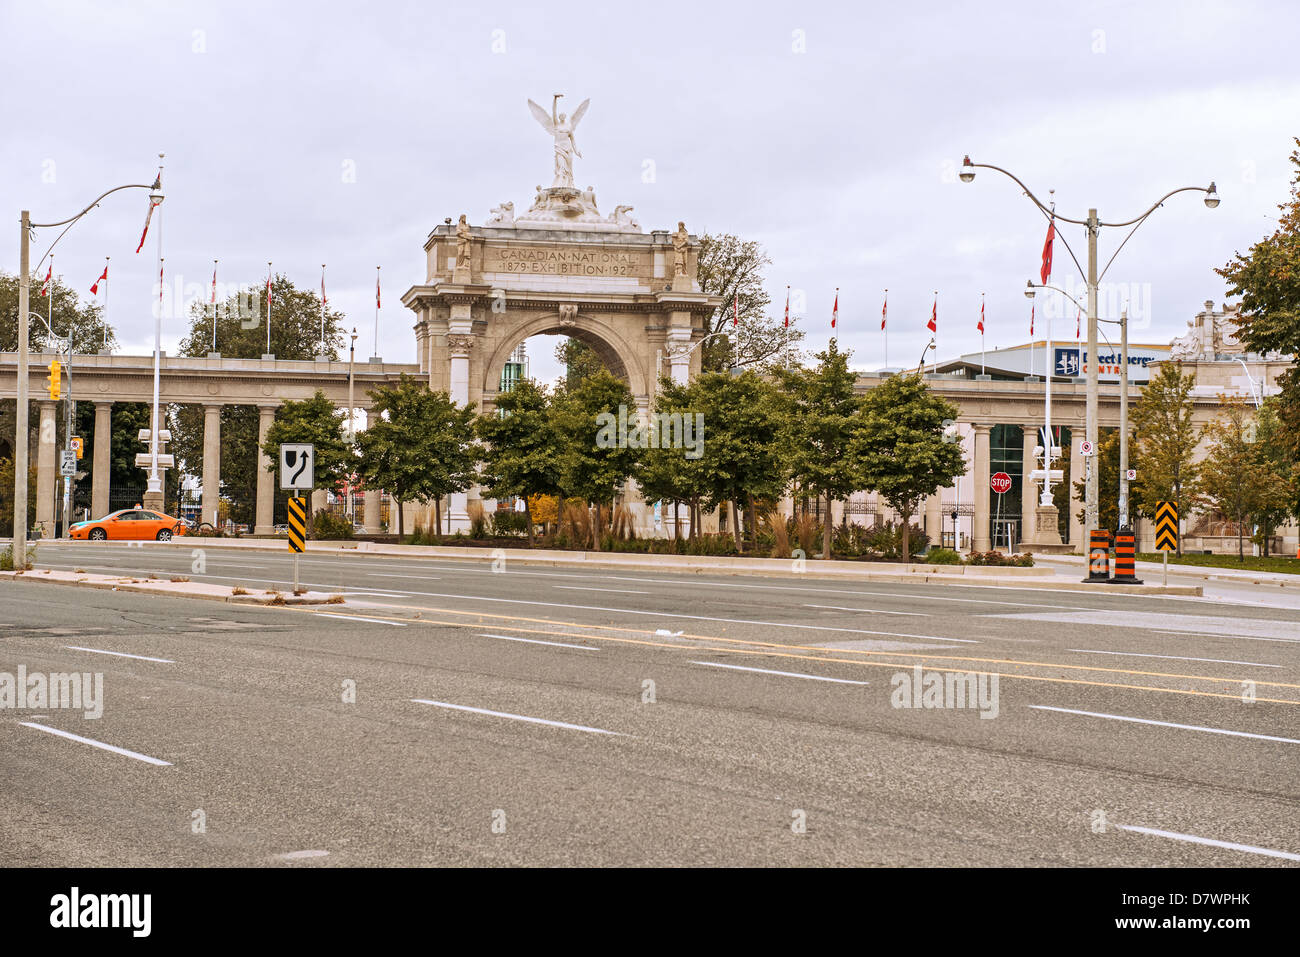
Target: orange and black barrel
{"type": "Point", "coordinates": [1125, 558]}
{"type": "Point", "coordinates": [1098, 555]}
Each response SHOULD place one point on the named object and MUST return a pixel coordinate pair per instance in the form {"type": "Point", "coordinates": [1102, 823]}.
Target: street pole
{"type": "Point", "coordinates": [20, 416]}
{"type": "Point", "coordinates": [1090, 503]}
{"type": "Point", "coordinates": [1123, 419]}
{"type": "Point", "coordinates": [352, 435]}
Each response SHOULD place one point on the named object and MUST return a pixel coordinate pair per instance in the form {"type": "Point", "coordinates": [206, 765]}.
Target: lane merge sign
{"type": "Point", "coordinates": [297, 466]}
{"type": "Point", "coordinates": [1167, 526]}
{"type": "Point", "coordinates": [297, 524]}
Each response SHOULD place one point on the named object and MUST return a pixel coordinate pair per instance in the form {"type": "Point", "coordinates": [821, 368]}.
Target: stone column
{"type": "Point", "coordinates": [211, 462]}
{"type": "Point", "coordinates": [45, 469]}
{"type": "Point", "coordinates": [980, 535]}
{"type": "Point", "coordinates": [677, 348]}
{"type": "Point", "coordinates": [459, 345]}
{"type": "Point", "coordinates": [1028, 489]}
{"type": "Point", "coordinates": [1077, 533]}
{"type": "Point", "coordinates": [101, 464]}
{"type": "Point", "coordinates": [934, 519]}
{"type": "Point", "coordinates": [372, 510]}
{"type": "Point", "coordinates": [265, 524]}
{"type": "Point", "coordinates": [319, 500]}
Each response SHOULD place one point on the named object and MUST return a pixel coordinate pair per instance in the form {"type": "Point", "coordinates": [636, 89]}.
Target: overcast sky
{"type": "Point", "coordinates": [829, 133]}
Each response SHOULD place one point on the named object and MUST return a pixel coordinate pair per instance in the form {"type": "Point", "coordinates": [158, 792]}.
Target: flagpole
{"type": "Point", "coordinates": [982, 340]}
{"type": "Point", "coordinates": [934, 363]}
{"type": "Point", "coordinates": [214, 305]}
{"type": "Point", "coordinates": [375, 350]}
{"type": "Point", "coordinates": [322, 309]}
{"type": "Point", "coordinates": [154, 487]}
{"type": "Point", "coordinates": [884, 326]}
{"type": "Point", "coordinates": [104, 347]}
{"type": "Point", "coordinates": [268, 308]}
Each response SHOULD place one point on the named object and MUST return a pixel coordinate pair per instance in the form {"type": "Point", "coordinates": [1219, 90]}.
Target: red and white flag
{"type": "Point", "coordinates": [1078, 319]}
{"type": "Point", "coordinates": [160, 282]}
{"type": "Point", "coordinates": [268, 286]}
{"type": "Point", "coordinates": [1046, 269]}
{"type": "Point", "coordinates": [933, 324]}
{"type": "Point", "coordinates": [787, 307]}
{"type": "Point", "coordinates": [214, 284]}
{"type": "Point", "coordinates": [323, 300]}
{"type": "Point", "coordinates": [1031, 321]}
{"type": "Point", "coordinates": [884, 311]}
{"type": "Point", "coordinates": [45, 286]}
{"type": "Point", "coordinates": [980, 327]}
{"type": "Point", "coordinates": [835, 310]}
{"type": "Point", "coordinates": [377, 302]}
{"type": "Point", "coordinates": [153, 203]}
{"type": "Point", "coordinates": [735, 310]}
{"type": "Point", "coordinates": [103, 277]}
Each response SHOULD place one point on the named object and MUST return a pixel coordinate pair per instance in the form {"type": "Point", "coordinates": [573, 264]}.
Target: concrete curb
{"type": "Point", "coordinates": [970, 575]}
{"type": "Point", "coordinates": [1208, 573]}
{"type": "Point", "coordinates": [155, 586]}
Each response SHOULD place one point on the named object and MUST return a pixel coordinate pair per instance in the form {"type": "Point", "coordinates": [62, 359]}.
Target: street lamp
{"type": "Point", "coordinates": [20, 417]}
{"type": "Point", "coordinates": [921, 364]}
{"type": "Point", "coordinates": [1093, 226]}
{"type": "Point", "coordinates": [352, 434]}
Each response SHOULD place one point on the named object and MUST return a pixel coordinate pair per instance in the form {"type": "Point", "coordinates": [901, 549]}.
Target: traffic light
{"type": "Point", "coordinates": [56, 380]}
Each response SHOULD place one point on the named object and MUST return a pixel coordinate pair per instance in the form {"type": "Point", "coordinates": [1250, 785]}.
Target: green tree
{"type": "Point", "coordinates": [902, 447]}
{"type": "Point", "coordinates": [1106, 462]}
{"type": "Point", "coordinates": [1236, 480]}
{"type": "Point", "coordinates": [1277, 472]}
{"type": "Point", "coordinates": [520, 447]}
{"type": "Point", "coordinates": [241, 334]}
{"type": "Point", "coordinates": [1268, 280]}
{"type": "Point", "coordinates": [665, 473]}
{"type": "Point", "coordinates": [732, 268]}
{"type": "Point", "coordinates": [580, 361]}
{"type": "Point", "coordinates": [86, 321]}
{"type": "Point", "coordinates": [593, 466]}
{"type": "Point", "coordinates": [418, 444]}
{"type": "Point", "coordinates": [319, 421]}
{"type": "Point", "coordinates": [1166, 443]}
{"type": "Point", "coordinates": [820, 411]}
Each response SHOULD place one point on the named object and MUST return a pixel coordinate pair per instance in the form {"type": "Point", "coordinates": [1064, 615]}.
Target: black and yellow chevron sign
{"type": "Point", "coordinates": [297, 524]}
{"type": "Point", "coordinates": [1167, 526]}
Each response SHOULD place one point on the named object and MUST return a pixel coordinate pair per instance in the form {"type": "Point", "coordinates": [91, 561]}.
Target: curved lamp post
{"type": "Point", "coordinates": [21, 417]}
{"type": "Point", "coordinates": [1093, 226]}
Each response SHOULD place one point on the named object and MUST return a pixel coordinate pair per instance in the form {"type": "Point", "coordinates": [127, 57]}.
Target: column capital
{"type": "Point", "coordinates": [103, 403]}
{"type": "Point", "coordinates": [214, 406]}
{"type": "Point", "coordinates": [981, 428]}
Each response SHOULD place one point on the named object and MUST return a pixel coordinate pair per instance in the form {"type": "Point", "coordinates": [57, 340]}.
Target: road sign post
{"type": "Point", "coordinates": [297, 532]}
{"type": "Point", "coordinates": [1166, 532]}
{"type": "Point", "coordinates": [297, 466]}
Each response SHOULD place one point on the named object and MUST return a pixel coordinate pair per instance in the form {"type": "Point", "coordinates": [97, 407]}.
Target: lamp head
{"type": "Point", "coordinates": [1212, 196]}
{"type": "Point", "coordinates": [967, 172]}
{"type": "Point", "coordinates": [1030, 290]}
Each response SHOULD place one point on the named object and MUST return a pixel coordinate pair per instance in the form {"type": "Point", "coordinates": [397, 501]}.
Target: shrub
{"type": "Point", "coordinates": [942, 556]}
{"type": "Point", "coordinates": [780, 535]}
{"type": "Point", "coordinates": [509, 522]}
{"type": "Point", "coordinates": [326, 526]}
{"type": "Point", "coordinates": [7, 559]}
{"type": "Point", "coordinates": [886, 540]}
{"type": "Point", "coordinates": [478, 522]}
{"type": "Point", "coordinates": [998, 558]}
{"type": "Point", "coordinates": [806, 531]}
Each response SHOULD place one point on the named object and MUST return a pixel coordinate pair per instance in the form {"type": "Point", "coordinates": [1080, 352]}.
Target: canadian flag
{"type": "Point", "coordinates": [735, 310]}
{"type": "Point", "coordinates": [153, 203]}
{"type": "Point", "coordinates": [268, 287]}
{"type": "Point", "coordinates": [1078, 319]}
{"type": "Point", "coordinates": [933, 324]}
{"type": "Point", "coordinates": [1031, 321]}
{"type": "Point", "coordinates": [45, 286]}
{"type": "Point", "coordinates": [787, 307]}
{"type": "Point", "coordinates": [884, 311]}
{"type": "Point", "coordinates": [1046, 269]}
{"type": "Point", "coordinates": [980, 327]}
{"type": "Point", "coordinates": [103, 277]}
{"type": "Point", "coordinates": [835, 310]}
{"type": "Point", "coordinates": [323, 300]}
{"type": "Point", "coordinates": [377, 302]}
{"type": "Point", "coordinates": [214, 285]}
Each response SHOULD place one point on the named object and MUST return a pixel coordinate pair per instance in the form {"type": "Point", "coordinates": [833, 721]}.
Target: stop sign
{"type": "Point", "coordinates": [1000, 482]}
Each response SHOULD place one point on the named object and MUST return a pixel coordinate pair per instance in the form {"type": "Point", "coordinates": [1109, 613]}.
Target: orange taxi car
{"type": "Point", "coordinates": [133, 524]}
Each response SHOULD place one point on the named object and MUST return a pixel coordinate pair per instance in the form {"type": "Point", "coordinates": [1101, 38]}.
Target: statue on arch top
{"type": "Point", "coordinates": [561, 127]}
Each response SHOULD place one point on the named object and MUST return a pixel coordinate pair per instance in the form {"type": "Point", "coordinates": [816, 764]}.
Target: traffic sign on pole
{"type": "Point", "coordinates": [297, 524]}
{"type": "Point", "coordinates": [1167, 526]}
{"type": "Point", "coordinates": [1000, 482]}
{"type": "Point", "coordinates": [67, 462]}
{"type": "Point", "coordinates": [297, 466]}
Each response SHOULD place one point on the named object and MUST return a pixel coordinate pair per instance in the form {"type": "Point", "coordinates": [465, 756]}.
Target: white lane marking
{"type": "Point", "coordinates": [302, 855]}
{"type": "Point", "coordinates": [729, 621]}
{"type": "Point", "coordinates": [372, 621]}
{"type": "Point", "coordinates": [1215, 634]}
{"type": "Point", "coordinates": [872, 611]}
{"type": "Point", "coordinates": [97, 744]}
{"type": "Point", "coordinates": [1167, 724]}
{"type": "Point", "coordinates": [619, 591]}
{"type": "Point", "coordinates": [1134, 654]}
{"type": "Point", "coordinates": [120, 654]}
{"type": "Point", "coordinates": [1211, 842]}
{"type": "Point", "coordinates": [514, 717]}
{"type": "Point", "coordinates": [538, 641]}
{"type": "Point", "coordinates": [784, 674]}
{"type": "Point", "coordinates": [427, 578]}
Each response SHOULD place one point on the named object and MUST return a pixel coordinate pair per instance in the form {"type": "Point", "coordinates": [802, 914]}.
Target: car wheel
{"type": "Point", "coordinates": [165, 535]}
{"type": "Point", "coordinates": [98, 534]}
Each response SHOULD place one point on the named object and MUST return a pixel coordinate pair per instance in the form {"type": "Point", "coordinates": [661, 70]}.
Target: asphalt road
{"type": "Point", "coordinates": [539, 716]}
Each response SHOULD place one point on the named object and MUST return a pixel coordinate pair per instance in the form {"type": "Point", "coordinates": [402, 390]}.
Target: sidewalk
{"type": "Point", "coordinates": [1207, 573]}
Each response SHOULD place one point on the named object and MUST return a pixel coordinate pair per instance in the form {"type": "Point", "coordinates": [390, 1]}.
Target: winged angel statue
{"type": "Point", "coordinates": [562, 129]}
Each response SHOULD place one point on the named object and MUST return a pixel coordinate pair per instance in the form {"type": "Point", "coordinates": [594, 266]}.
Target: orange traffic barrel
{"type": "Point", "coordinates": [1125, 558]}
{"type": "Point", "coordinates": [1098, 555]}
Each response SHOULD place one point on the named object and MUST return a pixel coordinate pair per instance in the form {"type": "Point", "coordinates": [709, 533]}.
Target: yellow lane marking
{"type": "Point", "coordinates": [768, 650]}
